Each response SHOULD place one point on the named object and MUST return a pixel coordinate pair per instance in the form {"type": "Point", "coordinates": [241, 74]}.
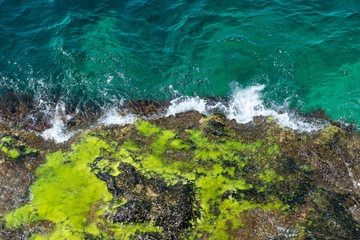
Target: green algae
{"type": "Point", "coordinates": [327, 134]}
{"type": "Point", "coordinates": [146, 128]}
{"type": "Point", "coordinates": [108, 165]}
{"type": "Point", "coordinates": [232, 175]}
{"type": "Point", "coordinates": [14, 148]}
{"type": "Point", "coordinates": [214, 167]}
{"type": "Point", "coordinates": [67, 193]}
{"type": "Point", "coordinates": [65, 190]}
{"type": "Point", "coordinates": [269, 176]}
{"type": "Point", "coordinates": [13, 153]}
{"type": "Point", "coordinates": [208, 168]}
{"type": "Point", "coordinates": [7, 139]}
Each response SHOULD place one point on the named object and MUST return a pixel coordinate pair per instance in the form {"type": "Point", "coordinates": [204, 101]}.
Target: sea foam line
{"type": "Point", "coordinates": [58, 131]}
{"type": "Point", "coordinates": [243, 106]}
{"type": "Point", "coordinates": [113, 117]}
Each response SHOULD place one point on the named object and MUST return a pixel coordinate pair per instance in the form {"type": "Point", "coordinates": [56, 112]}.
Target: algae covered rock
{"type": "Point", "coordinates": [191, 176]}
{"type": "Point", "coordinates": [17, 160]}
{"type": "Point", "coordinates": [168, 206]}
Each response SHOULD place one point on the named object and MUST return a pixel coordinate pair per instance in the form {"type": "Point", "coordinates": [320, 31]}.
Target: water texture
{"type": "Point", "coordinates": [305, 53]}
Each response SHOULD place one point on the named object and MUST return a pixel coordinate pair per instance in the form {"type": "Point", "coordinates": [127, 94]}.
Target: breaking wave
{"type": "Point", "coordinates": [243, 105]}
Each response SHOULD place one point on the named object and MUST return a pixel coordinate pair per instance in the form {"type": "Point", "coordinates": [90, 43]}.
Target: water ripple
{"type": "Point", "coordinates": [69, 50]}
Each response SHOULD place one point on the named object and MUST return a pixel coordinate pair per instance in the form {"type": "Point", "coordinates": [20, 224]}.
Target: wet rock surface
{"type": "Point", "coordinates": [16, 109]}
{"type": "Point", "coordinates": [19, 158]}
{"type": "Point", "coordinates": [170, 207]}
{"type": "Point", "coordinates": [17, 162]}
{"type": "Point", "coordinates": [146, 107]}
{"type": "Point", "coordinates": [40, 227]}
{"type": "Point", "coordinates": [22, 112]}
{"type": "Point", "coordinates": [187, 176]}
{"type": "Point", "coordinates": [154, 236]}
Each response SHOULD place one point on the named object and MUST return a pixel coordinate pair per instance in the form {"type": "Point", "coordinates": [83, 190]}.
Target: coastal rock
{"type": "Point", "coordinates": [170, 207]}
{"type": "Point", "coordinates": [17, 160]}
{"type": "Point", "coordinates": [187, 176]}
{"type": "Point", "coordinates": [16, 109]}
{"type": "Point", "coordinates": [145, 107]}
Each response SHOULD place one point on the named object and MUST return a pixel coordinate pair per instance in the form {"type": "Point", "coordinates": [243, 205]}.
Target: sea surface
{"type": "Point", "coordinates": [266, 56]}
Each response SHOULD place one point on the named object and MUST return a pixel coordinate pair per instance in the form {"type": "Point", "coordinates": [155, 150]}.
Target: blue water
{"type": "Point", "coordinates": [306, 53]}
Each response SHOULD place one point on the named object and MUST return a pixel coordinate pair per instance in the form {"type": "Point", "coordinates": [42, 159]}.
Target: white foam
{"type": "Point", "coordinates": [112, 117]}
{"type": "Point", "coordinates": [186, 104]}
{"type": "Point", "coordinates": [244, 105]}
{"type": "Point", "coordinates": [58, 131]}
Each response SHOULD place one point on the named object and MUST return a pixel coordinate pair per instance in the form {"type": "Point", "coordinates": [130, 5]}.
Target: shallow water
{"type": "Point", "coordinates": [305, 54]}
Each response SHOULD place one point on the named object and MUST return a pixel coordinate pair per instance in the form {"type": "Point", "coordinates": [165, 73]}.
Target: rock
{"type": "Point", "coordinates": [187, 176]}
{"type": "Point", "coordinates": [170, 207]}
{"type": "Point", "coordinates": [132, 211]}
{"type": "Point", "coordinates": [16, 109]}
{"type": "Point", "coordinates": [145, 107]}
{"type": "Point", "coordinates": [155, 236]}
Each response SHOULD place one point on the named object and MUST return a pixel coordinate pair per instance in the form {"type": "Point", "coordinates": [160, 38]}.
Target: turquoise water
{"type": "Point", "coordinates": [306, 53]}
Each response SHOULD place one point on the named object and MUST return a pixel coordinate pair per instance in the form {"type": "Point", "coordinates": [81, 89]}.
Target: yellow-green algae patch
{"type": "Point", "coordinates": [244, 182]}
{"type": "Point", "coordinates": [232, 177]}
{"type": "Point", "coordinates": [215, 168]}
{"type": "Point", "coordinates": [14, 148]}
{"type": "Point", "coordinates": [67, 193]}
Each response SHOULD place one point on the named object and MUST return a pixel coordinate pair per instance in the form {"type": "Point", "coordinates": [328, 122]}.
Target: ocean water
{"type": "Point", "coordinates": [266, 56]}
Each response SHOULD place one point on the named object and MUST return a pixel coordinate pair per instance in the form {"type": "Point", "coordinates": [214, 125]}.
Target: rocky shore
{"type": "Point", "coordinates": [187, 176]}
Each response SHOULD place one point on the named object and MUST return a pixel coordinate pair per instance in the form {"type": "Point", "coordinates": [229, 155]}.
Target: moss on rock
{"type": "Point", "coordinates": [14, 148]}
{"type": "Point", "coordinates": [195, 177]}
